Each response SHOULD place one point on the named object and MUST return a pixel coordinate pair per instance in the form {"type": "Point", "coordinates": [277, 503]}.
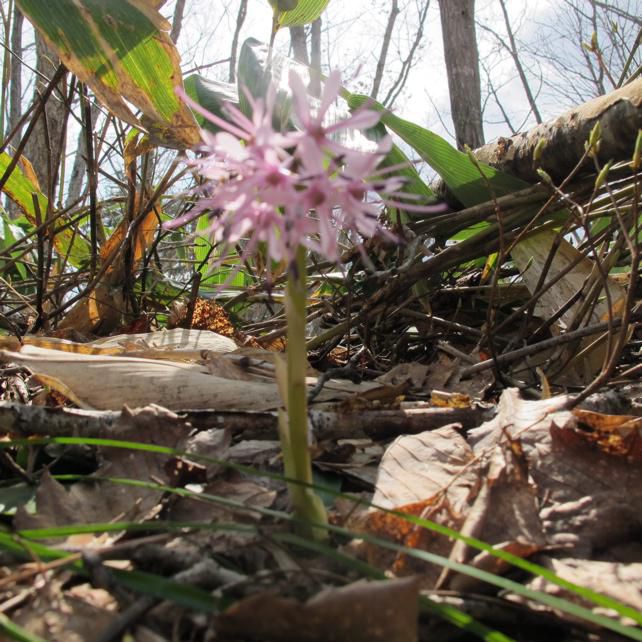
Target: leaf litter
{"type": "Point", "coordinates": [536, 480]}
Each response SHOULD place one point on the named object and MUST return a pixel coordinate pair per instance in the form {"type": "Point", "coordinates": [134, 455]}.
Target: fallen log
{"type": "Point", "coordinates": [619, 114]}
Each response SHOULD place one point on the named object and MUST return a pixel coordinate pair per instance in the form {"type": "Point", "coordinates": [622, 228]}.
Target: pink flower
{"type": "Point", "coordinates": [295, 188]}
{"type": "Point", "coordinates": [318, 137]}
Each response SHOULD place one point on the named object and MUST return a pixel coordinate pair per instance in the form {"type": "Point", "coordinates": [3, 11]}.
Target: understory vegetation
{"type": "Point", "coordinates": [278, 362]}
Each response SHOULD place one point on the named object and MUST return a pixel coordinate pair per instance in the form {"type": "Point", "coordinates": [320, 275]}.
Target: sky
{"type": "Point", "coordinates": [351, 41]}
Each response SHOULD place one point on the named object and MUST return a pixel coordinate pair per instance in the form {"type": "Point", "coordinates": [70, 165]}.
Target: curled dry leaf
{"type": "Point", "coordinates": [92, 39]}
{"type": "Point", "coordinates": [529, 478]}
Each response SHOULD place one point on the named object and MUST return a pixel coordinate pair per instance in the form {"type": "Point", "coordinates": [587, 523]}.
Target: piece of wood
{"type": "Point", "coordinates": [326, 421]}
{"type": "Point", "coordinates": [619, 114]}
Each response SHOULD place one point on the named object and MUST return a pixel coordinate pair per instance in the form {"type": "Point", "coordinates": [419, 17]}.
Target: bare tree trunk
{"type": "Point", "coordinates": [15, 78]}
{"type": "Point", "coordinates": [518, 64]}
{"type": "Point", "coordinates": [240, 19]}
{"type": "Point", "coordinates": [315, 57]}
{"type": "Point", "coordinates": [45, 148]}
{"type": "Point", "coordinates": [79, 169]}
{"type": "Point", "coordinates": [406, 65]}
{"type": "Point", "coordinates": [177, 22]}
{"type": "Point", "coordinates": [383, 54]}
{"type": "Point", "coordinates": [299, 44]}
{"type": "Point", "coordinates": [462, 66]}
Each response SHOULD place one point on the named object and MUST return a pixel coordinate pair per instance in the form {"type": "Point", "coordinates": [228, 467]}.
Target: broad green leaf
{"type": "Point", "coordinates": [253, 73]}
{"type": "Point", "coordinates": [22, 191]}
{"type": "Point", "coordinates": [459, 173]}
{"type": "Point", "coordinates": [10, 234]}
{"type": "Point", "coordinates": [212, 95]}
{"type": "Point", "coordinates": [396, 158]}
{"type": "Point", "coordinates": [284, 5]}
{"type": "Point", "coordinates": [305, 11]}
{"type": "Point", "coordinates": [123, 51]}
{"type": "Point", "coordinates": [206, 255]}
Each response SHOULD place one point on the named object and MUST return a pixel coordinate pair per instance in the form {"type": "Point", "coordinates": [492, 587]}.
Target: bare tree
{"type": "Point", "coordinates": [299, 44]}
{"type": "Point", "coordinates": [240, 19]}
{"type": "Point", "coordinates": [462, 66]}
{"type": "Point", "coordinates": [589, 47]}
{"type": "Point", "coordinates": [509, 44]}
{"type": "Point", "coordinates": [385, 44]}
{"type": "Point", "coordinates": [315, 57]}
{"type": "Point", "coordinates": [411, 58]}
{"type": "Point", "coordinates": [15, 75]}
{"type": "Point", "coordinates": [177, 22]}
{"type": "Point", "coordinates": [45, 147]}
{"type": "Point", "coordinates": [79, 167]}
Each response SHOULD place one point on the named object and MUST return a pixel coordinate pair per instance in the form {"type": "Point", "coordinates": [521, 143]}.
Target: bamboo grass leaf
{"type": "Point", "coordinates": [122, 50]}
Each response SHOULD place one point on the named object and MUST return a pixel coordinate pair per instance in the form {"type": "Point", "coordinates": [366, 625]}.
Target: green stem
{"type": "Point", "coordinates": [294, 434]}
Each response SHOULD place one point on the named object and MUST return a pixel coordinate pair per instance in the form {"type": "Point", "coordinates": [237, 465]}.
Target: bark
{"type": "Point", "coordinates": [299, 45]}
{"type": "Point", "coordinates": [177, 22]}
{"type": "Point", "coordinates": [620, 117]}
{"type": "Point", "coordinates": [44, 148]}
{"type": "Point", "coordinates": [79, 168]}
{"type": "Point", "coordinates": [15, 78]}
{"type": "Point", "coordinates": [462, 66]}
{"type": "Point", "coordinates": [325, 422]}
{"type": "Point", "coordinates": [240, 19]}
{"type": "Point", "coordinates": [315, 57]}
{"type": "Point", "coordinates": [383, 54]}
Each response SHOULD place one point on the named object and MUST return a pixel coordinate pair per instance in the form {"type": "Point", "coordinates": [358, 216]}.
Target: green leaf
{"type": "Point", "coordinates": [23, 192]}
{"type": "Point", "coordinates": [253, 73]}
{"type": "Point", "coordinates": [461, 175]}
{"type": "Point", "coordinates": [212, 95]}
{"type": "Point", "coordinates": [396, 158]}
{"type": "Point", "coordinates": [306, 11]}
{"type": "Point", "coordinates": [10, 234]}
{"type": "Point", "coordinates": [123, 51]}
{"type": "Point", "coordinates": [284, 5]}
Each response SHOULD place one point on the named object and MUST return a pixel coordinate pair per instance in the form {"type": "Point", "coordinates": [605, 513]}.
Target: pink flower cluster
{"type": "Point", "coordinates": [290, 188]}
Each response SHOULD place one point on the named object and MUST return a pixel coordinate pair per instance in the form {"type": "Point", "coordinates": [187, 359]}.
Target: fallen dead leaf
{"type": "Point", "coordinates": [360, 612]}
{"type": "Point", "coordinates": [622, 582]}
{"type": "Point", "coordinates": [72, 616]}
{"type": "Point", "coordinates": [57, 505]}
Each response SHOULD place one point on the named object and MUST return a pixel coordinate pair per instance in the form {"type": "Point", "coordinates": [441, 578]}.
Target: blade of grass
{"type": "Point", "coordinates": [484, 576]}
{"type": "Point", "coordinates": [588, 594]}
{"type": "Point", "coordinates": [15, 632]}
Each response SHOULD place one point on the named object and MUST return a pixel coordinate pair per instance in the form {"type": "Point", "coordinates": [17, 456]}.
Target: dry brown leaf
{"type": "Point", "coordinates": [589, 499]}
{"type": "Point", "coordinates": [622, 582]}
{"type": "Point", "coordinates": [248, 494]}
{"type": "Point", "coordinates": [71, 616]}
{"type": "Point", "coordinates": [442, 399]}
{"type": "Point", "coordinates": [87, 503]}
{"type": "Point", "coordinates": [413, 373]}
{"type": "Point", "coordinates": [360, 612]}
{"type": "Point", "coordinates": [431, 475]}
{"type": "Point", "coordinates": [531, 255]}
